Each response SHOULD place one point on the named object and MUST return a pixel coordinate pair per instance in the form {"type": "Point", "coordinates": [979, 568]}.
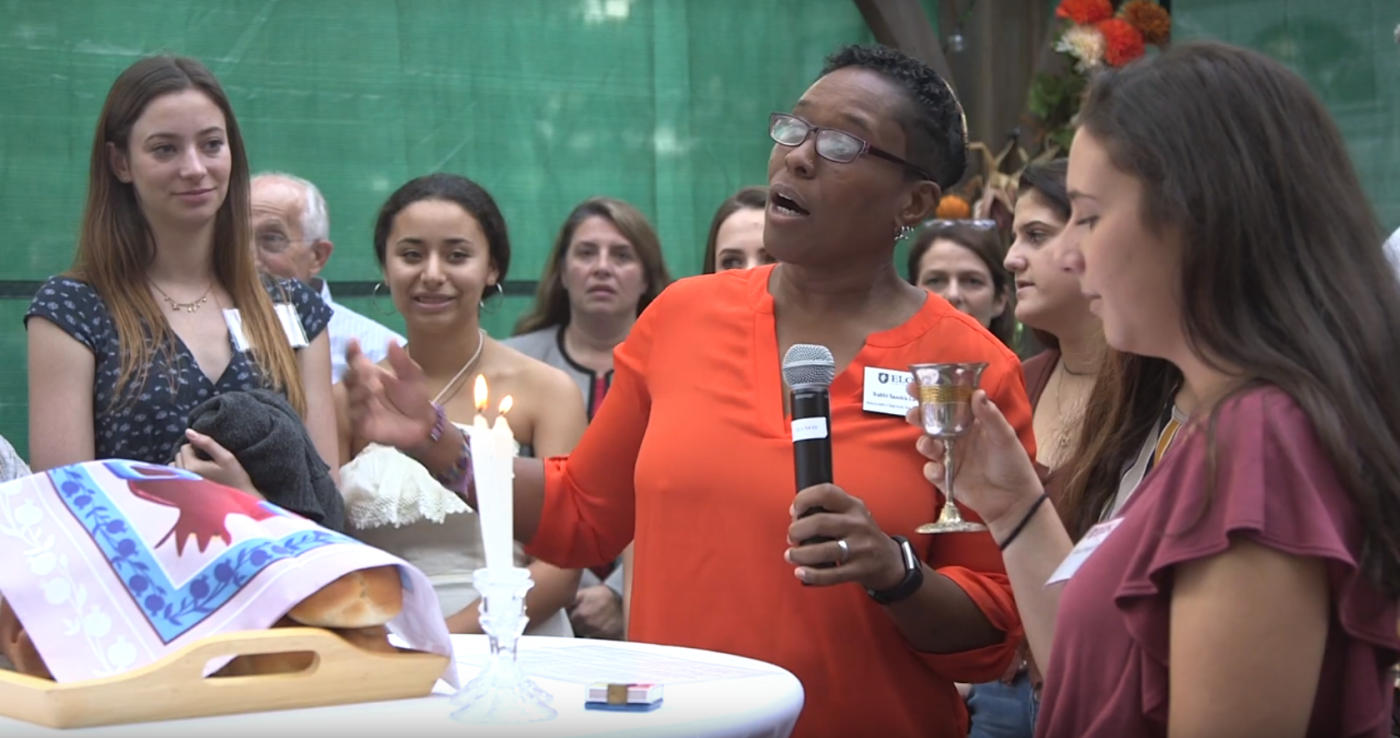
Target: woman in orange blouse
{"type": "Point", "coordinates": [692, 449]}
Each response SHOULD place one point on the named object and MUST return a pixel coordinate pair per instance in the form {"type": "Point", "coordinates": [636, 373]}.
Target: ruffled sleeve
{"type": "Point", "coordinates": [1272, 484]}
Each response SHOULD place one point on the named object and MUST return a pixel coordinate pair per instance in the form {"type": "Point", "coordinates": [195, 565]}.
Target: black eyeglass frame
{"type": "Point", "coordinates": [865, 148]}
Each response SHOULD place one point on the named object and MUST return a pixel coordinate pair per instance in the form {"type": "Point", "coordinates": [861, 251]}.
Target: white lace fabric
{"type": "Point", "coordinates": [382, 486]}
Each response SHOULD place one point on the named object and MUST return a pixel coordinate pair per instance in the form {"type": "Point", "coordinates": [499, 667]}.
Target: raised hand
{"type": "Point", "coordinates": [390, 407]}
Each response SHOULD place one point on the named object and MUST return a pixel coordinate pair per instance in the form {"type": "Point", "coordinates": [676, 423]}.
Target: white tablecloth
{"type": "Point", "coordinates": [763, 706]}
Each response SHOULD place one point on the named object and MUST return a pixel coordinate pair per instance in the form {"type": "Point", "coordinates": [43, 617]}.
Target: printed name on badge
{"type": "Point", "coordinates": [1082, 551]}
{"type": "Point", "coordinates": [886, 391]}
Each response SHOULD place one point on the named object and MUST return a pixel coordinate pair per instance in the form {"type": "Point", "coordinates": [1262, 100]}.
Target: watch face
{"type": "Point", "coordinates": [911, 558]}
{"type": "Point", "coordinates": [913, 575]}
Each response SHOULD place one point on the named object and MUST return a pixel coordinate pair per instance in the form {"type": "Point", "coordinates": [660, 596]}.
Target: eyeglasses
{"type": "Point", "coordinates": [832, 144]}
{"type": "Point", "coordinates": [272, 242]}
{"type": "Point", "coordinates": [980, 224]}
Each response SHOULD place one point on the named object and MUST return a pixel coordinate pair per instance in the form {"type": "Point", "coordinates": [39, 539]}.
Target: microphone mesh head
{"type": "Point", "coordinates": [808, 365]}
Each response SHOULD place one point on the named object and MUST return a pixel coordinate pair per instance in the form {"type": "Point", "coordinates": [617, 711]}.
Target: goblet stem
{"type": "Point", "coordinates": [948, 475]}
{"type": "Point", "coordinates": [950, 520]}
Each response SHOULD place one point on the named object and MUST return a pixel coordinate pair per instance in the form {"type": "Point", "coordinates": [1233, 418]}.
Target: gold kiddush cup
{"type": "Point", "coordinates": [945, 408]}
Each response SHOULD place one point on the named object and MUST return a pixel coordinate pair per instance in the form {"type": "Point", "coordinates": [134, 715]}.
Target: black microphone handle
{"type": "Point", "coordinates": [812, 457]}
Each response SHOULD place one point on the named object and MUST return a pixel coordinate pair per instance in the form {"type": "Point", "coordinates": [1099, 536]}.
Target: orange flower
{"type": "Point", "coordinates": [1085, 12]}
{"type": "Point", "coordinates": [1123, 43]}
{"type": "Point", "coordinates": [953, 207]}
{"type": "Point", "coordinates": [1151, 20]}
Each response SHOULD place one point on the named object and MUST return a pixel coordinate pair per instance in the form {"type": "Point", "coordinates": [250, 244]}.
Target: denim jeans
{"type": "Point", "coordinates": [1003, 710]}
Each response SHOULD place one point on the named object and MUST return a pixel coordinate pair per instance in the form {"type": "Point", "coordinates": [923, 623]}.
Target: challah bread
{"type": "Point", "coordinates": [359, 599]}
{"type": "Point", "coordinates": [355, 607]}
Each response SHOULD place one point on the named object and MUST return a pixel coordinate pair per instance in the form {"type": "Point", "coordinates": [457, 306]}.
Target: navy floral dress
{"type": "Point", "coordinates": [149, 428]}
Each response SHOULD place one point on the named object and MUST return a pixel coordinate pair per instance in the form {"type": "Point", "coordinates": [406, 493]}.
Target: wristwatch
{"type": "Point", "coordinates": [913, 576]}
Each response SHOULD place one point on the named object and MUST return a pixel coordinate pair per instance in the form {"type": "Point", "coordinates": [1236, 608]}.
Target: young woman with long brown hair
{"type": "Point", "coordinates": [1248, 585]}
{"type": "Point", "coordinates": [163, 307]}
{"type": "Point", "coordinates": [961, 261]}
{"type": "Point", "coordinates": [1059, 383]}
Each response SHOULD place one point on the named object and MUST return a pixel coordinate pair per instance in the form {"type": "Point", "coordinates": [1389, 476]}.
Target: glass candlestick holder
{"type": "Point", "coordinates": [501, 694]}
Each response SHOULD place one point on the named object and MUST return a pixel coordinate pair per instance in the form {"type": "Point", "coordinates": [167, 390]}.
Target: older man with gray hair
{"type": "Point", "coordinates": [291, 239]}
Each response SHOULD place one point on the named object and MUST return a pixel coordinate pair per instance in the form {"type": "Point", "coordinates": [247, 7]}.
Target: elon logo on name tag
{"type": "Point", "coordinates": [886, 391]}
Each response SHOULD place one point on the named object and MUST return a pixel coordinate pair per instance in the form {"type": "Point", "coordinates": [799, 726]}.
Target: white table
{"type": "Point", "coordinates": [761, 706]}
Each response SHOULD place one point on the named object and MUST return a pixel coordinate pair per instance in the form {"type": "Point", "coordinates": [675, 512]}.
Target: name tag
{"type": "Point", "coordinates": [1081, 553]}
{"type": "Point", "coordinates": [234, 321]}
{"type": "Point", "coordinates": [886, 391]}
{"type": "Point", "coordinates": [291, 324]}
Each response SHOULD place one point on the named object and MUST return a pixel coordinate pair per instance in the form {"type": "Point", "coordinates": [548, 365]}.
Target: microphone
{"type": "Point", "coordinates": [808, 370]}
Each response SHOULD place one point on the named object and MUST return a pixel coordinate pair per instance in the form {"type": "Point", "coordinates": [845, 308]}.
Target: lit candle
{"type": "Point", "coordinates": [493, 455]}
{"type": "Point", "coordinates": [504, 437]}
{"type": "Point", "coordinates": [485, 469]}
{"type": "Point", "coordinates": [500, 542]}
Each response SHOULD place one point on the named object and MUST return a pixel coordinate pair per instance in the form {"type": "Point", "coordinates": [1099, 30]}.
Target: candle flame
{"type": "Point", "coordinates": [479, 393]}
{"type": "Point", "coordinates": [506, 404]}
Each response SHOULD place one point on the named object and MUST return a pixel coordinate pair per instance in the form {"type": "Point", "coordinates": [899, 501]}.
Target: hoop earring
{"type": "Point", "coordinates": [374, 300]}
{"type": "Point", "coordinates": [904, 232]}
{"type": "Point", "coordinates": [500, 292]}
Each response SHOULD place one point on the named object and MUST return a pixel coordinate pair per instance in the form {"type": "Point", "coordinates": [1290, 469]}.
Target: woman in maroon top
{"type": "Point", "coordinates": [1249, 586]}
{"type": "Point", "coordinates": [1059, 381]}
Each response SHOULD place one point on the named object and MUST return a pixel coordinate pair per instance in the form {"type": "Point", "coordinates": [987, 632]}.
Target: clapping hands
{"type": "Point", "coordinates": [388, 406]}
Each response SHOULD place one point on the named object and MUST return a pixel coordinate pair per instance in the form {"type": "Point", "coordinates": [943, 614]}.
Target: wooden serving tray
{"type": "Point", "coordinates": [174, 688]}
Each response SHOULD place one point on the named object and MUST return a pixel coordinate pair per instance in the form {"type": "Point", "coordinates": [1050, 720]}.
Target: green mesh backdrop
{"type": "Point", "coordinates": [662, 103]}
{"type": "Point", "coordinates": [1347, 51]}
